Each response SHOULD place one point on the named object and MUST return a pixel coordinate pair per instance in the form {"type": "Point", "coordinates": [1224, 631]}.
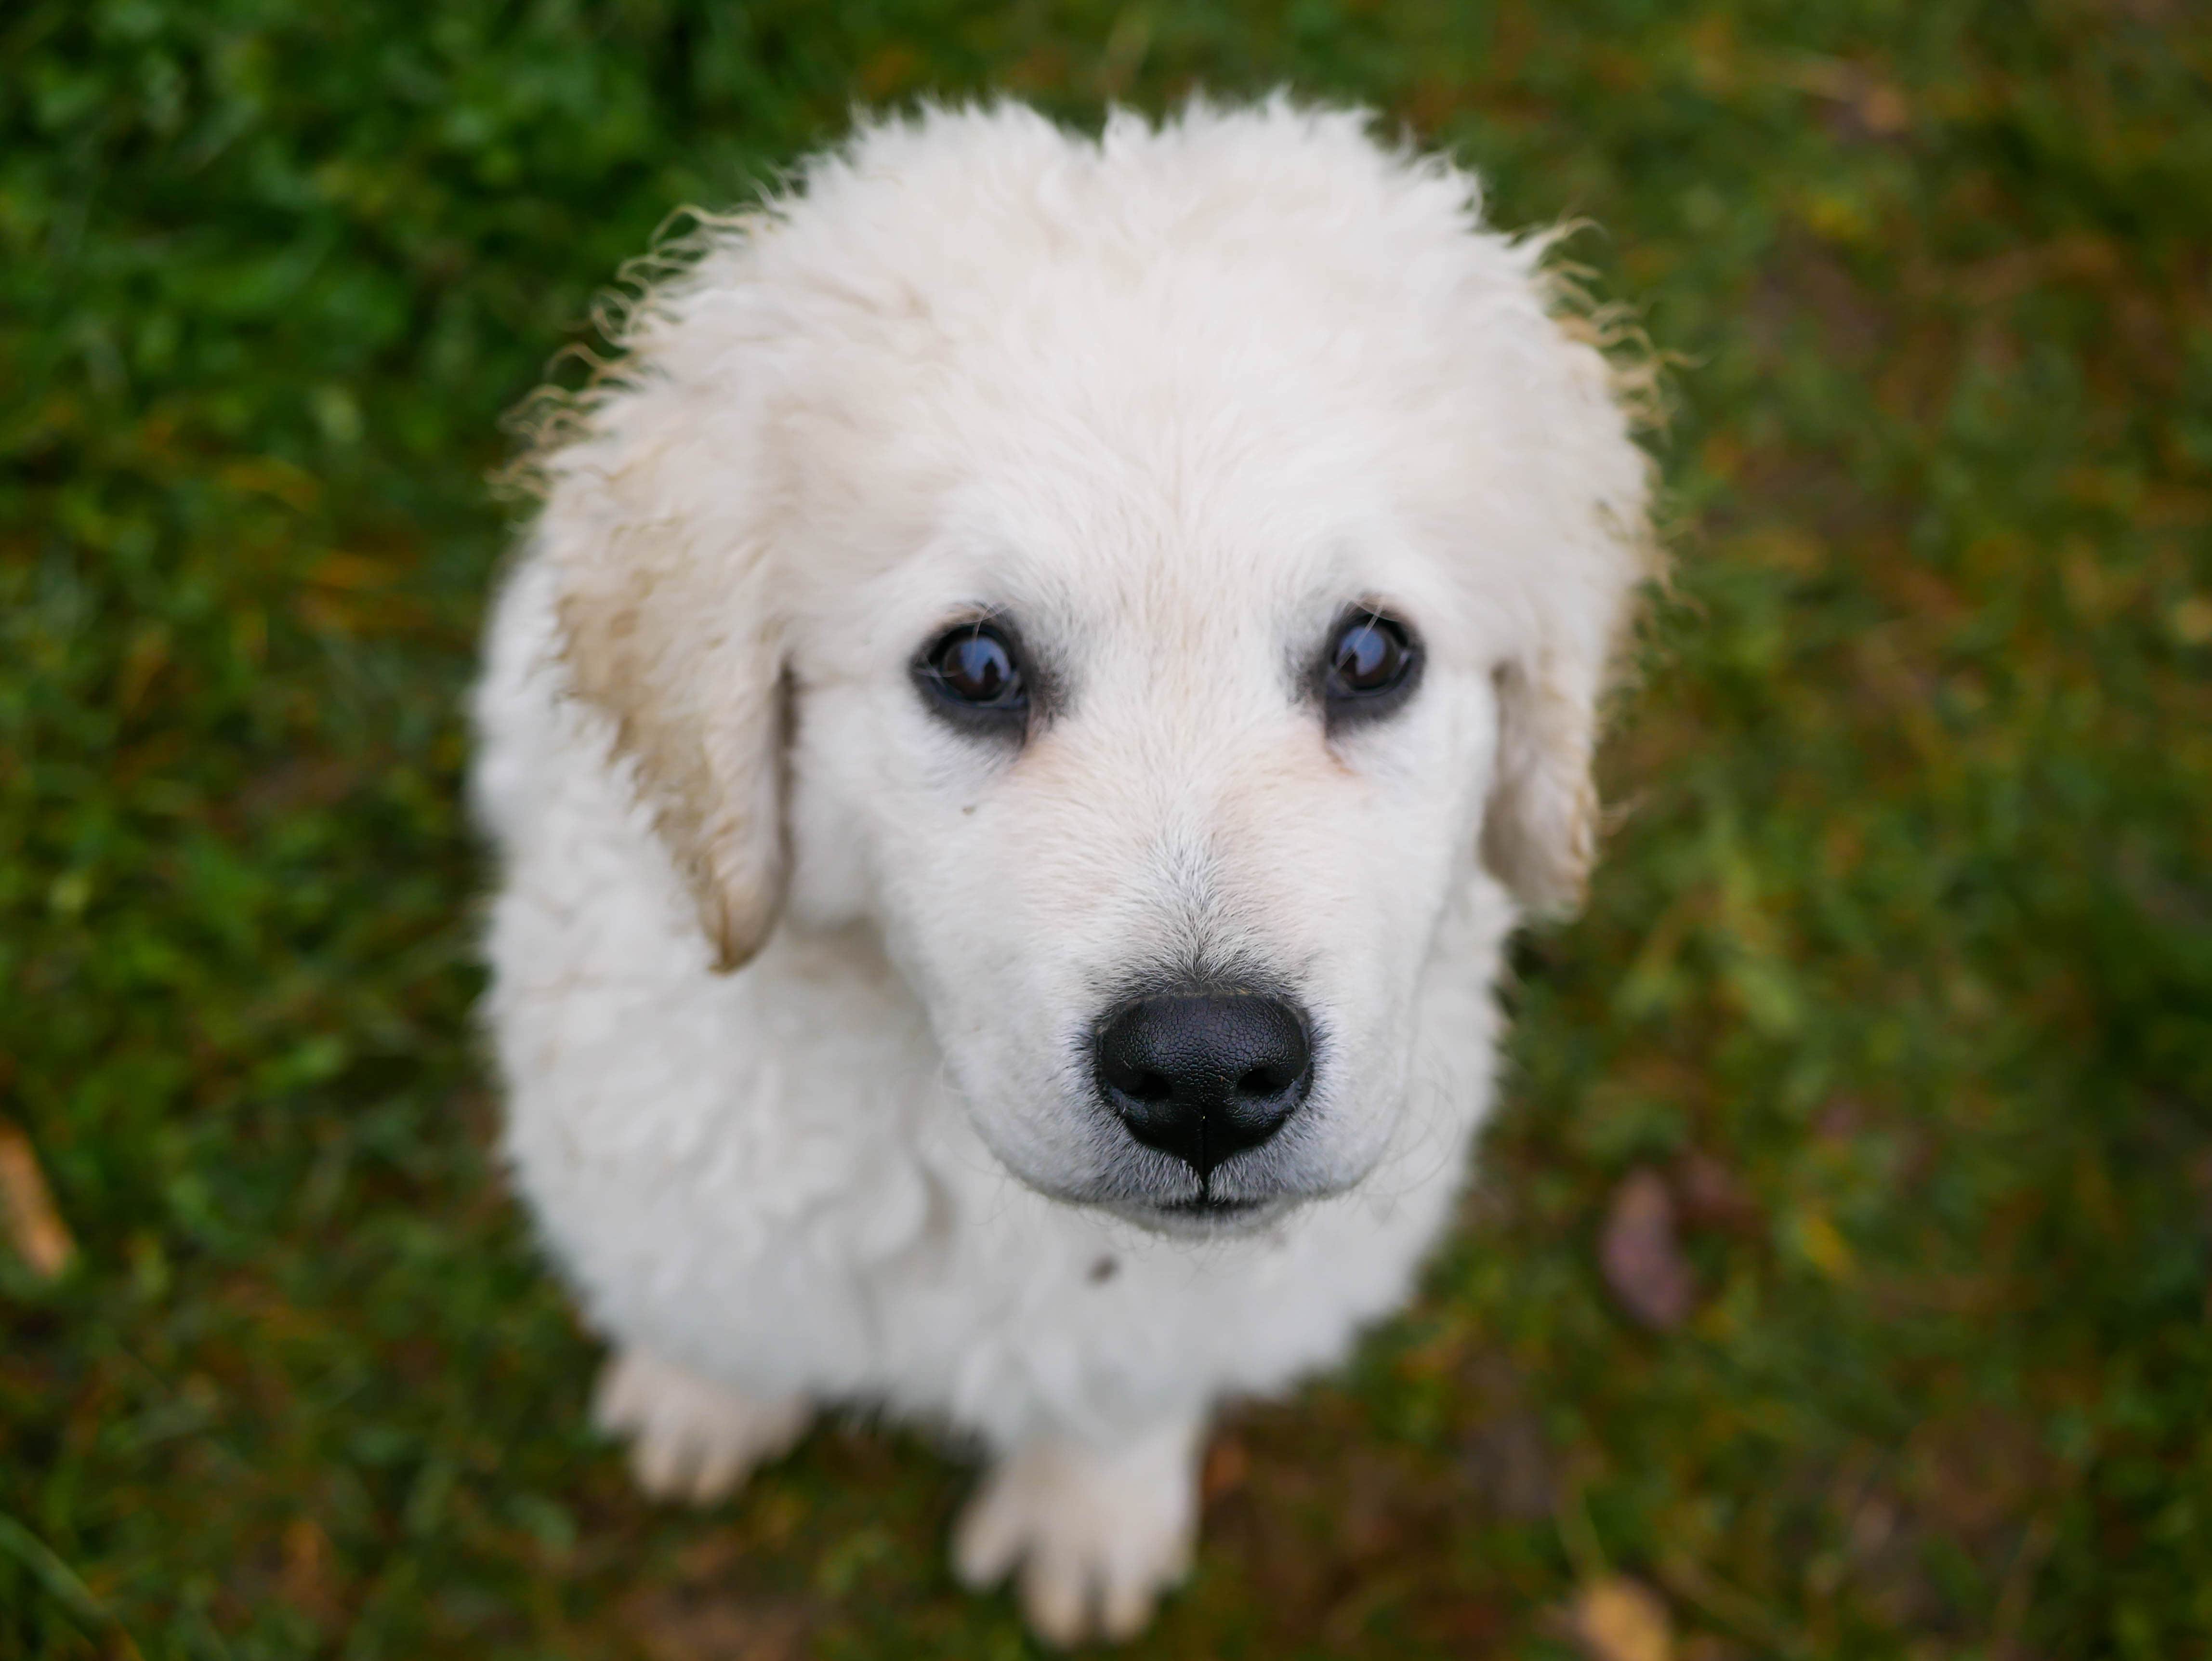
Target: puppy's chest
{"type": "Point", "coordinates": [984, 1280]}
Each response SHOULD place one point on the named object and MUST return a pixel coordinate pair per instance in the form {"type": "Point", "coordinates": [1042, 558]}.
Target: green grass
{"type": "Point", "coordinates": [1902, 960]}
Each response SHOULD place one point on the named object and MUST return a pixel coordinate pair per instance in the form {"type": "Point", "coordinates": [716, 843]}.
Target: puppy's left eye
{"type": "Point", "coordinates": [978, 667]}
{"type": "Point", "coordinates": [1371, 667]}
{"type": "Point", "coordinates": [974, 675]}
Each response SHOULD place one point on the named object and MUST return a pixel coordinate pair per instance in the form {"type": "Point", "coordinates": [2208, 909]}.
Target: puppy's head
{"type": "Point", "coordinates": [1146, 579]}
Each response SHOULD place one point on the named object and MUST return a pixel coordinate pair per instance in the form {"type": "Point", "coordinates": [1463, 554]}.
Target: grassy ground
{"type": "Point", "coordinates": [1899, 976]}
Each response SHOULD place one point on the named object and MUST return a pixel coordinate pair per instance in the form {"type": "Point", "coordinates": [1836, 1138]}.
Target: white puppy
{"type": "Point", "coordinates": [1040, 686]}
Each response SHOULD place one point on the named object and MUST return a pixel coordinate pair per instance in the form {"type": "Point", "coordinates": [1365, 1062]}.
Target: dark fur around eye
{"type": "Point", "coordinates": [1370, 667]}
{"type": "Point", "coordinates": [973, 676]}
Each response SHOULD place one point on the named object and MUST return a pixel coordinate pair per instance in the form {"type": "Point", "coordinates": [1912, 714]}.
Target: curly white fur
{"type": "Point", "coordinates": [1173, 398]}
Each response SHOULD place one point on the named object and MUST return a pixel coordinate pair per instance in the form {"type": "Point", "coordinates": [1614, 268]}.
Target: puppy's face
{"type": "Point", "coordinates": [1147, 582]}
{"type": "Point", "coordinates": [1157, 774]}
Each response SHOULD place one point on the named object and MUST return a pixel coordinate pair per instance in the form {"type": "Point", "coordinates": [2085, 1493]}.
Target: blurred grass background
{"type": "Point", "coordinates": [1891, 1013]}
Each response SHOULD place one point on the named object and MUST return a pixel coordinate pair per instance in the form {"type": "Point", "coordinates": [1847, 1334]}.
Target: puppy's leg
{"type": "Point", "coordinates": [691, 1439]}
{"type": "Point", "coordinates": [1099, 1534]}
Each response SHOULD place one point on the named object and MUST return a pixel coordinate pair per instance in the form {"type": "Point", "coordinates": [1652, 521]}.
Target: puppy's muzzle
{"type": "Point", "coordinates": [1204, 1076]}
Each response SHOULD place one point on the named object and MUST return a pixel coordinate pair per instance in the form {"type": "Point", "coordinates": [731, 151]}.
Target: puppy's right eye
{"type": "Point", "coordinates": [974, 674]}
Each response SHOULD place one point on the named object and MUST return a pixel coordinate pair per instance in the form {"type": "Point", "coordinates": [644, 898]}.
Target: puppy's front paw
{"type": "Point", "coordinates": [1098, 1536]}
{"type": "Point", "coordinates": [691, 1439]}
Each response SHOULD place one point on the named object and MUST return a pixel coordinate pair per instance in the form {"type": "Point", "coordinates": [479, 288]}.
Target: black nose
{"type": "Point", "coordinates": [1203, 1077]}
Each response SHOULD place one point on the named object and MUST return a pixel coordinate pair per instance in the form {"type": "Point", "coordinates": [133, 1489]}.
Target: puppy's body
{"type": "Point", "coordinates": [1148, 414]}
{"type": "Point", "coordinates": [767, 1177]}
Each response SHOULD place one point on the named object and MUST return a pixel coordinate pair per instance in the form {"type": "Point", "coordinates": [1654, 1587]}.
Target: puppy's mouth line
{"type": "Point", "coordinates": [1194, 1208]}
{"type": "Point", "coordinates": [1208, 1205]}
{"type": "Point", "coordinates": [1201, 1218]}
{"type": "Point", "coordinates": [1203, 1210]}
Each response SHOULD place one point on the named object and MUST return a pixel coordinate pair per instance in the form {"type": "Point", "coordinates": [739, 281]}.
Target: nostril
{"type": "Point", "coordinates": [1147, 1086]}
{"type": "Point", "coordinates": [1263, 1081]}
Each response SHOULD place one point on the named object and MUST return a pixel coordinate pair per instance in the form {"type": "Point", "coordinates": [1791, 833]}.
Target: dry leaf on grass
{"type": "Point", "coordinates": [27, 1205]}
{"type": "Point", "coordinates": [1228, 1464]}
{"type": "Point", "coordinates": [1712, 1197]}
{"type": "Point", "coordinates": [1617, 1619]}
{"type": "Point", "coordinates": [1641, 1253]}
{"type": "Point", "coordinates": [687, 1624]}
{"type": "Point", "coordinates": [308, 1579]}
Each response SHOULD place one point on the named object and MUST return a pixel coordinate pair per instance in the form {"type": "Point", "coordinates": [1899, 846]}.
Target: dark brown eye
{"type": "Point", "coordinates": [974, 673]}
{"type": "Point", "coordinates": [978, 668]}
{"type": "Point", "coordinates": [1371, 665]}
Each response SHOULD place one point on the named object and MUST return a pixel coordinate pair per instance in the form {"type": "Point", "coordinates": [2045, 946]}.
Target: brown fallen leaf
{"type": "Point", "coordinates": [1617, 1619]}
{"type": "Point", "coordinates": [1640, 1252]}
{"type": "Point", "coordinates": [1508, 1464]}
{"type": "Point", "coordinates": [1711, 1197]}
{"type": "Point", "coordinates": [27, 1205]}
{"type": "Point", "coordinates": [306, 1579]}
{"type": "Point", "coordinates": [1505, 1455]}
{"type": "Point", "coordinates": [691, 1624]}
{"type": "Point", "coordinates": [1228, 1464]}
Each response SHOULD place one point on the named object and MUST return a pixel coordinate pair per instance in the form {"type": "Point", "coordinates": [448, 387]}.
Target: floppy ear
{"type": "Point", "coordinates": [1590, 545]}
{"type": "Point", "coordinates": [652, 528]}
{"type": "Point", "coordinates": [1539, 828]}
